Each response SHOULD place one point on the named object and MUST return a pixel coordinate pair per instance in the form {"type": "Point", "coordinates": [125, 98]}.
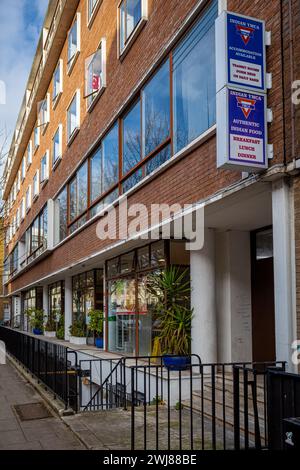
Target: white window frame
{"type": "Point", "coordinates": [18, 218]}
{"type": "Point", "coordinates": [135, 32]}
{"type": "Point", "coordinates": [14, 225]}
{"type": "Point", "coordinates": [36, 185]}
{"type": "Point", "coordinates": [19, 181]}
{"type": "Point", "coordinates": [23, 168]}
{"type": "Point", "coordinates": [36, 144]}
{"type": "Point", "coordinates": [28, 199]}
{"type": "Point", "coordinates": [59, 131]}
{"type": "Point", "coordinates": [91, 14]}
{"type": "Point", "coordinates": [71, 137]}
{"type": "Point", "coordinates": [96, 95]}
{"type": "Point", "coordinates": [71, 61]}
{"type": "Point", "coordinates": [22, 208]}
{"type": "Point", "coordinates": [44, 124]}
{"type": "Point", "coordinates": [15, 190]}
{"type": "Point", "coordinates": [29, 153]}
{"type": "Point", "coordinates": [56, 98]}
{"type": "Point", "coordinates": [44, 180]}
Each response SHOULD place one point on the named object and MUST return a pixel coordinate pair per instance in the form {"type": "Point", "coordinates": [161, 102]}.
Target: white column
{"type": "Point", "coordinates": [45, 300]}
{"type": "Point", "coordinates": [68, 307]}
{"type": "Point", "coordinates": [284, 311]}
{"type": "Point", "coordinates": [203, 300]}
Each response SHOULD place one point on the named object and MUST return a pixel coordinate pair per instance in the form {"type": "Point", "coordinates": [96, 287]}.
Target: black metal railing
{"type": "Point", "coordinates": [48, 362]}
{"type": "Point", "coordinates": [211, 407]}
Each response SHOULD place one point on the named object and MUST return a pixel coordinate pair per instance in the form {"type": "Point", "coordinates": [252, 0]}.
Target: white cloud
{"type": "Point", "coordinates": [20, 23]}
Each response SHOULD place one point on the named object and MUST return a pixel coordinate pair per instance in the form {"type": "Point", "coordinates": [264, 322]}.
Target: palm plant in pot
{"type": "Point", "coordinates": [50, 327]}
{"type": "Point", "coordinates": [36, 320]}
{"type": "Point", "coordinates": [95, 325]}
{"type": "Point", "coordinates": [170, 290]}
{"type": "Point", "coordinates": [78, 332]}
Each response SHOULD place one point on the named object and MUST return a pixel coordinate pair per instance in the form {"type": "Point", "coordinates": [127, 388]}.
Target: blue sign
{"type": "Point", "coordinates": [246, 52]}
{"type": "Point", "coordinates": [247, 128]}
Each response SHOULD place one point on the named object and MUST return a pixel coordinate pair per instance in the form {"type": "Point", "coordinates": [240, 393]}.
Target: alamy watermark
{"type": "Point", "coordinates": [154, 222]}
{"type": "Point", "coordinates": [296, 92]}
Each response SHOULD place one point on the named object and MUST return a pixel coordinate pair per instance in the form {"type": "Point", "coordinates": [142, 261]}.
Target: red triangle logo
{"type": "Point", "coordinates": [246, 105]}
{"type": "Point", "coordinates": [245, 33]}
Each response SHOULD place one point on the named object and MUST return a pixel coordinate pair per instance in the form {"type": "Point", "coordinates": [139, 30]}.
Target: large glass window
{"type": "Point", "coordinates": [56, 301]}
{"type": "Point", "coordinates": [132, 138]}
{"type": "Point", "coordinates": [194, 81]}
{"type": "Point", "coordinates": [156, 110]}
{"type": "Point", "coordinates": [87, 294]}
{"type": "Point", "coordinates": [110, 155]}
{"type": "Point", "coordinates": [96, 175]}
{"type": "Point", "coordinates": [61, 205]}
{"type": "Point", "coordinates": [130, 16]}
{"type": "Point", "coordinates": [79, 192]}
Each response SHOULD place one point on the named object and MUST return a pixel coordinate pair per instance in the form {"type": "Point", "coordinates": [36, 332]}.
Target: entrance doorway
{"type": "Point", "coordinates": [262, 286]}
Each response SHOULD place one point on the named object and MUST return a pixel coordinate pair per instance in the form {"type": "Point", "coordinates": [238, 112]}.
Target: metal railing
{"type": "Point", "coordinates": [48, 362]}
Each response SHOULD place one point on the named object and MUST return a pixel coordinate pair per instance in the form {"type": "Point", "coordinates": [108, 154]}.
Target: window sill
{"type": "Point", "coordinates": [44, 128]}
{"type": "Point", "coordinates": [72, 63]}
{"type": "Point", "coordinates": [93, 15]}
{"type": "Point", "coordinates": [28, 210]}
{"type": "Point", "coordinates": [96, 99]}
{"type": "Point", "coordinates": [35, 198]}
{"type": "Point", "coordinates": [56, 100]}
{"type": "Point", "coordinates": [133, 37]}
{"type": "Point", "coordinates": [72, 136]}
{"type": "Point", "coordinates": [36, 149]}
{"type": "Point", "coordinates": [44, 182]}
{"type": "Point", "coordinates": [56, 163]}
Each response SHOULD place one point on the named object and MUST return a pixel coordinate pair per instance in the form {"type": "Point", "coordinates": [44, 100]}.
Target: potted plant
{"type": "Point", "coordinates": [36, 320]}
{"type": "Point", "coordinates": [170, 292]}
{"type": "Point", "coordinates": [60, 322]}
{"type": "Point", "coordinates": [95, 325]}
{"type": "Point", "coordinates": [50, 327]}
{"type": "Point", "coordinates": [78, 332]}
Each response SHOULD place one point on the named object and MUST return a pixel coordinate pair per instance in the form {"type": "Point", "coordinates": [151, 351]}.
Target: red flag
{"type": "Point", "coordinates": [96, 82]}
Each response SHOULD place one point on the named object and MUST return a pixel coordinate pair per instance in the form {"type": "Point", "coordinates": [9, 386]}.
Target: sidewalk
{"type": "Point", "coordinates": [38, 434]}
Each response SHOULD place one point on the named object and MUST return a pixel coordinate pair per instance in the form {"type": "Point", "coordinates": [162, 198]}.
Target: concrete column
{"type": "Point", "coordinates": [68, 306]}
{"type": "Point", "coordinates": [285, 315]}
{"type": "Point", "coordinates": [204, 324]}
{"type": "Point", "coordinates": [45, 300]}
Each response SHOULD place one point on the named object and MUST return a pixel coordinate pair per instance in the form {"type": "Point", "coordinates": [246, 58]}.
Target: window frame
{"type": "Point", "coordinates": [91, 14]}
{"type": "Point", "coordinates": [98, 93]}
{"type": "Point", "coordinates": [29, 154]}
{"type": "Point", "coordinates": [135, 32]}
{"type": "Point", "coordinates": [23, 168]}
{"type": "Point", "coordinates": [55, 98]}
{"type": "Point", "coordinates": [58, 131]}
{"type": "Point", "coordinates": [28, 198]}
{"type": "Point", "coordinates": [36, 182]}
{"type": "Point", "coordinates": [36, 144]}
{"type": "Point", "coordinates": [72, 60]}
{"type": "Point", "coordinates": [71, 137]}
{"type": "Point", "coordinates": [43, 124]}
{"type": "Point", "coordinates": [44, 178]}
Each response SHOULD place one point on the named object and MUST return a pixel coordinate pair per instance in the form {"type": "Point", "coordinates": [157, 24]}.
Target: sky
{"type": "Point", "coordinates": [20, 26]}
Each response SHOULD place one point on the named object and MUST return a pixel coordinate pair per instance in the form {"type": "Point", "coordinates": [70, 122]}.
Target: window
{"type": "Point", "coordinates": [22, 209]}
{"type": "Point", "coordinates": [194, 81]}
{"type": "Point", "coordinates": [73, 43]}
{"type": "Point", "coordinates": [132, 14]}
{"type": "Point", "coordinates": [23, 168]}
{"type": "Point", "coordinates": [74, 116]}
{"type": "Point", "coordinates": [36, 184]}
{"type": "Point", "coordinates": [61, 205]}
{"type": "Point", "coordinates": [96, 175]}
{"type": "Point", "coordinates": [79, 192]}
{"type": "Point", "coordinates": [19, 181]}
{"type": "Point", "coordinates": [36, 235]}
{"type": "Point", "coordinates": [57, 146]}
{"type": "Point", "coordinates": [92, 8]}
{"type": "Point", "coordinates": [36, 137]}
{"type": "Point", "coordinates": [29, 153]}
{"type": "Point", "coordinates": [110, 156]}
{"type": "Point", "coordinates": [18, 218]}
{"type": "Point", "coordinates": [28, 198]}
{"type": "Point", "coordinates": [45, 167]}
{"type": "Point", "coordinates": [44, 112]}
{"type": "Point", "coordinates": [95, 74]}
{"type": "Point", "coordinates": [15, 191]}
{"type": "Point", "coordinates": [57, 81]}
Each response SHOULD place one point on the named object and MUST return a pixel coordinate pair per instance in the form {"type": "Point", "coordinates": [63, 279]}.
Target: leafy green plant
{"type": "Point", "coordinates": [157, 401]}
{"type": "Point", "coordinates": [95, 324]}
{"type": "Point", "coordinates": [36, 318]}
{"type": "Point", "coordinates": [171, 290]}
{"type": "Point", "coordinates": [60, 334]}
{"type": "Point", "coordinates": [50, 325]}
{"type": "Point", "coordinates": [78, 329]}
{"type": "Point", "coordinates": [178, 406]}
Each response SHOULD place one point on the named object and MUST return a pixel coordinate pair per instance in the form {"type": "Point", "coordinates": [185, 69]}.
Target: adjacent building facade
{"type": "Point", "coordinates": [121, 101]}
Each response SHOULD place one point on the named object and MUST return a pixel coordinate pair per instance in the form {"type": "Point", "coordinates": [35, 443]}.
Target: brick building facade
{"type": "Point", "coordinates": [89, 80]}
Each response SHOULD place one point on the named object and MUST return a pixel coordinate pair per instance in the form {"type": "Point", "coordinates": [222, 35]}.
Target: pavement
{"type": "Point", "coordinates": [42, 434]}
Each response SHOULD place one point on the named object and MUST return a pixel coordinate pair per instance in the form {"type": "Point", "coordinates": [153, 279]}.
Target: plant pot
{"type": "Point", "coordinates": [77, 340]}
{"type": "Point", "coordinates": [99, 343]}
{"type": "Point", "coordinates": [173, 362]}
{"type": "Point", "coordinates": [50, 334]}
{"type": "Point", "coordinates": [37, 331]}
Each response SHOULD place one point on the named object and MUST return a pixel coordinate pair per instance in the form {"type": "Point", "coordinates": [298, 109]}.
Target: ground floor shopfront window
{"type": "Point", "coordinates": [32, 299]}
{"type": "Point", "coordinates": [57, 306]}
{"type": "Point", "coordinates": [131, 325]}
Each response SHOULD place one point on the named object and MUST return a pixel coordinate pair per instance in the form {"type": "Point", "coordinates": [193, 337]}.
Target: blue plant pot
{"type": "Point", "coordinates": [176, 362]}
{"type": "Point", "coordinates": [99, 343]}
{"type": "Point", "coordinates": [37, 331]}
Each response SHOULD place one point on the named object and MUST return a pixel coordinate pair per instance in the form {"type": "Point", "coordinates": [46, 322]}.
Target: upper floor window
{"type": "Point", "coordinates": [73, 42]}
{"type": "Point", "coordinates": [44, 112]}
{"type": "Point", "coordinates": [132, 14]}
{"type": "Point", "coordinates": [57, 82]}
{"type": "Point", "coordinates": [57, 146]}
{"type": "Point", "coordinates": [36, 185]}
{"type": "Point", "coordinates": [29, 153]}
{"type": "Point", "coordinates": [36, 137]}
{"type": "Point", "coordinates": [45, 168]}
{"type": "Point", "coordinates": [23, 168]}
{"type": "Point", "coordinates": [19, 181]}
{"type": "Point", "coordinates": [28, 198]}
{"type": "Point", "coordinates": [18, 218]}
{"type": "Point", "coordinates": [95, 74]}
{"type": "Point", "coordinates": [73, 117]}
{"type": "Point", "coordinates": [92, 8]}
{"type": "Point", "coordinates": [79, 192]}
{"type": "Point", "coordinates": [22, 208]}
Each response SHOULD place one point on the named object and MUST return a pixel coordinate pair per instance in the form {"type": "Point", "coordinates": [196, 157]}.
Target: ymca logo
{"type": "Point", "coordinates": [247, 105]}
{"type": "Point", "coordinates": [245, 33]}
